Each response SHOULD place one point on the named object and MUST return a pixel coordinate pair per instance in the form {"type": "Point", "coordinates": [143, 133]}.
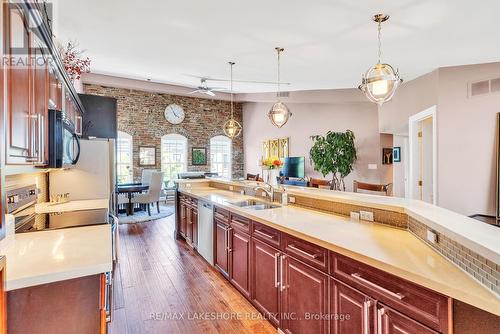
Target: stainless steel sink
{"type": "Point", "coordinates": [255, 205]}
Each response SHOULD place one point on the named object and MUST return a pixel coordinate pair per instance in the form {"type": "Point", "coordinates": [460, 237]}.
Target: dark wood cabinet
{"type": "Point", "coordinates": [39, 117]}
{"type": "Point", "coordinates": [390, 321]}
{"type": "Point", "coordinates": [265, 293]}
{"type": "Point", "coordinates": [221, 233]}
{"type": "Point", "coordinates": [304, 298]}
{"type": "Point", "coordinates": [351, 311]}
{"type": "Point", "coordinates": [17, 44]}
{"type": "Point", "coordinates": [183, 218]}
{"type": "Point", "coordinates": [239, 260]}
{"type": "Point", "coordinates": [194, 227]}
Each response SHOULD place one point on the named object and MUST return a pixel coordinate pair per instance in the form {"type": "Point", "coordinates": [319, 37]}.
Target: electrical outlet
{"type": "Point", "coordinates": [366, 215]}
{"type": "Point", "coordinates": [291, 199]}
{"type": "Point", "coordinates": [354, 215]}
{"type": "Point", "coordinates": [231, 188]}
{"type": "Point", "coordinates": [432, 237]}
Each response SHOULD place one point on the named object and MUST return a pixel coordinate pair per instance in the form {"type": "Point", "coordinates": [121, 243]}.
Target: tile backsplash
{"type": "Point", "coordinates": [484, 271]}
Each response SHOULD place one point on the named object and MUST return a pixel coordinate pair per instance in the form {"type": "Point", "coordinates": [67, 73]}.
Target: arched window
{"type": "Point", "coordinates": [220, 156]}
{"type": "Point", "coordinates": [173, 155]}
{"type": "Point", "coordinates": [124, 162]}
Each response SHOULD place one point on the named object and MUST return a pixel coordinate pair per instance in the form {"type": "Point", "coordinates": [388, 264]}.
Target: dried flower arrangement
{"type": "Point", "coordinates": [74, 62]}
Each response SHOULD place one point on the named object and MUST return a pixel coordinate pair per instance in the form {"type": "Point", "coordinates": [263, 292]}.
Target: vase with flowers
{"type": "Point", "coordinates": [272, 166]}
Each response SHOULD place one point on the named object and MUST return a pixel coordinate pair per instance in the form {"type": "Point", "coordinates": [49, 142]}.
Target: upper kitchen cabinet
{"type": "Point", "coordinates": [36, 81]}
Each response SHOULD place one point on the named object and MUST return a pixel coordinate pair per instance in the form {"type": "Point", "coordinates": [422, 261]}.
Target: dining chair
{"type": "Point", "coordinates": [252, 177]}
{"type": "Point", "coordinates": [319, 183]}
{"type": "Point", "coordinates": [146, 176]}
{"type": "Point", "coordinates": [153, 194]}
{"type": "Point", "coordinates": [385, 189]}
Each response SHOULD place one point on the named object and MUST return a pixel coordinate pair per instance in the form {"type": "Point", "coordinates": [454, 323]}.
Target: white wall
{"type": "Point", "coordinates": [311, 119]}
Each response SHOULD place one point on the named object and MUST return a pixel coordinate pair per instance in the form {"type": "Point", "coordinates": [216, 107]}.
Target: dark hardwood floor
{"type": "Point", "coordinates": [162, 286]}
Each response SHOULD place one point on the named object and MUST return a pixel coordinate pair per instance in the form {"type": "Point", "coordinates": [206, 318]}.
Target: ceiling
{"type": "Point", "coordinates": [328, 43]}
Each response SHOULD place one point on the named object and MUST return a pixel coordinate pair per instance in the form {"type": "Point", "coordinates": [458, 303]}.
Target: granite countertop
{"type": "Point", "coordinates": [390, 249]}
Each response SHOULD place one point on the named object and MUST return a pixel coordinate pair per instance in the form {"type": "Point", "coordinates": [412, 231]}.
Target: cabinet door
{"type": "Point", "coordinates": [392, 322]}
{"type": "Point", "coordinates": [189, 224]}
{"type": "Point", "coordinates": [194, 227]}
{"type": "Point", "coordinates": [55, 89]}
{"type": "Point", "coordinates": [265, 279]}
{"type": "Point", "coordinates": [221, 247]}
{"type": "Point", "coordinates": [39, 117]}
{"type": "Point", "coordinates": [18, 87]}
{"type": "Point", "coordinates": [351, 311]}
{"type": "Point", "coordinates": [183, 224]}
{"type": "Point", "coordinates": [239, 257]}
{"type": "Point", "coordinates": [304, 298]}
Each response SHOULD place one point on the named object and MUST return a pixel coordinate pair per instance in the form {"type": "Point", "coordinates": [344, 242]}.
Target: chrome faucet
{"type": "Point", "coordinates": [269, 190]}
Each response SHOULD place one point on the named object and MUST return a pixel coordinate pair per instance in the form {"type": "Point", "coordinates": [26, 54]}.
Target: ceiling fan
{"type": "Point", "coordinates": [204, 89]}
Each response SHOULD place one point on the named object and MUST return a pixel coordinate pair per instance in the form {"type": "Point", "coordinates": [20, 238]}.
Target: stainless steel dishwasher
{"type": "Point", "coordinates": [205, 231]}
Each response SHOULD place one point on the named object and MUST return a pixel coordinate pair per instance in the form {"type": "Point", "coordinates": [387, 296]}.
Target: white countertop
{"type": "Point", "coordinates": [55, 255]}
{"type": "Point", "coordinates": [90, 204]}
{"type": "Point", "coordinates": [480, 237]}
{"type": "Point", "coordinates": [390, 249]}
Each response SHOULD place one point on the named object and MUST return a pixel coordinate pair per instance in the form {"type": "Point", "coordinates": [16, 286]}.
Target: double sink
{"type": "Point", "coordinates": [255, 205]}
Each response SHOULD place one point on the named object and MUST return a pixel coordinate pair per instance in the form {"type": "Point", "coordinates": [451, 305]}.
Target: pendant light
{"type": "Point", "coordinates": [232, 128]}
{"type": "Point", "coordinates": [279, 113]}
{"type": "Point", "coordinates": [381, 81]}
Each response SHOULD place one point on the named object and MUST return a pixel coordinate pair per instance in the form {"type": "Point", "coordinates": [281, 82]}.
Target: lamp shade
{"type": "Point", "coordinates": [232, 128]}
{"type": "Point", "coordinates": [279, 114]}
{"type": "Point", "coordinates": [380, 83]}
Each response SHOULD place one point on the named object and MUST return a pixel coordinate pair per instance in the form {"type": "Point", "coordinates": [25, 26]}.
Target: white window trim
{"type": "Point", "coordinates": [174, 136]}
{"type": "Point", "coordinates": [125, 136]}
{"type": "Point", "coordinates": [229, 141]}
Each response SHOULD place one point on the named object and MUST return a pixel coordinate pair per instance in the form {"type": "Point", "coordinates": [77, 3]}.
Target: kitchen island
{"type": "Point", "coordinates": [328, 244]}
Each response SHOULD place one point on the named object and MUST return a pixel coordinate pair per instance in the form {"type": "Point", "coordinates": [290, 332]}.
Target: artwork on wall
{"type": "Point", "coordinates": [396, 154]}
{"type": "Point", "coordinates": [275, 148]}
{"type": "Point", "coordinates": [386, 156]}
{"type": "Point", "coordinates": [199, 156]}
{"type": "Point", "coordinates": [147, 156]}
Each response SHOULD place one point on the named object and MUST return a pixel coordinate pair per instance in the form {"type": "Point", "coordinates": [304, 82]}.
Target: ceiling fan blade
{"type": "Point", "coordinates": [209, 92]}
{"type": "Point", "coordinates": [248, 81]}
{"type": "Point", "coordinates": [194, 91]}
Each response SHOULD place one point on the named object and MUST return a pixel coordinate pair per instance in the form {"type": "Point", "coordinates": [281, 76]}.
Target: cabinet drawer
{"type": "Point", "coordinates": [221, 214]}
{"type": "Point", "coordinates": [307, 252]}
{"type": "Point", "coordinates": [240, 223]}
{"type": "Point", "coordinates": [415, 301]}
{"type": "Point", "coordinates": [266, 234]}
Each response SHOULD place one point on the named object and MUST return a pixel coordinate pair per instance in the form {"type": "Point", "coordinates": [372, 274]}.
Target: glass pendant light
{"type": "Point", "coordinates": [381, 81]}
{"type": "Point", "coordinates": [279, 113]}
{"type": "Point", "coordinates": [232, 128]}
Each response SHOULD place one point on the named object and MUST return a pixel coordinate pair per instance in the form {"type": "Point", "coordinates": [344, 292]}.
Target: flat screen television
{"type": "Point", "coordinates": [293, 167]}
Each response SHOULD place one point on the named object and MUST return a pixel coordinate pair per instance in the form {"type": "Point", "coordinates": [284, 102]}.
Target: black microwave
{"type": "Point", "coordinates": [64, 143]}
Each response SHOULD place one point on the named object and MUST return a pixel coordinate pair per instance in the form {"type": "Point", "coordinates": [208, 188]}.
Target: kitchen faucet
{"type": "Point", "coordinates": [268, 189]}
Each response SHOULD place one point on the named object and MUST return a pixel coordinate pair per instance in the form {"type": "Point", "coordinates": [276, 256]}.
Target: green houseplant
{"type": "Point", "coordinates": [334, 153]}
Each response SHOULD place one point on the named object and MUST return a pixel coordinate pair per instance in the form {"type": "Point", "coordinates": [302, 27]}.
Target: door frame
{"type": "Point", "coordinates": [413, 148]}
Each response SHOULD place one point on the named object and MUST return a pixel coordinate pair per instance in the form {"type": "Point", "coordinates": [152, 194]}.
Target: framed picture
{"type": "Point", "coordinates": [396, 154]}
{"type": "Point", "coordinates": [147, 156]}
{"type": "Point", "coordinates": [387, 156]}
{"type": "Point", "coordinates": [198, 156]}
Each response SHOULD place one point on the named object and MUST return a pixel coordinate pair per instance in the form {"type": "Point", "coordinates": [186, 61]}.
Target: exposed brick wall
{"type": "Point", "coordinates": [140, 114]}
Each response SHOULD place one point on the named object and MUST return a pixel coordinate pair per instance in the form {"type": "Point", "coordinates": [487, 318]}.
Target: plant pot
{"type": "Point", "coordinates": [272, 177]}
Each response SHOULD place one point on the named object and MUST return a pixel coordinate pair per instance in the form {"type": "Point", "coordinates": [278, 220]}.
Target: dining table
{"type": "Point", "coordinates": [130, 189]}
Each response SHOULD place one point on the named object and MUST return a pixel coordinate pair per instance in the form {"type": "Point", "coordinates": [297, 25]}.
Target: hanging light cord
{"type": "Point", "coordinates": [279, 87]}
{"type": "Point", "coordinates": [231, 63]}
{"type": "Point", "coordinates": [379, 41]}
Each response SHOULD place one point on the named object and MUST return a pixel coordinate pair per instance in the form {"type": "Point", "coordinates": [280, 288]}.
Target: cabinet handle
{"type": "Point", "coordinates": [281, 273]}
{"type": "Point", "coordinates": [264, 234]}
{"type": "Point", "coordinates": [366, 315]}
{"type": "Point", "coordinates": [396, 295]}
{"type": "Point", "coordinates": [225, 238]}
{"type": "Point", "coordinates": [220, 216]}
{"type": "Point", "coordinates": [380, 313]}
{"type": "Point", "coordinates": [276, 269]}
{"type": "Point", "coordinates": [298, 250]}
{"type": "Point", "coordinates": [240, 224]}
{"type": "Point", "coordinates": [41, 137]}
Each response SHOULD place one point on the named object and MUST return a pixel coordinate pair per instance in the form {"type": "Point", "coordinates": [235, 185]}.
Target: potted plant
{"type": "Point", "coordinates": [272, 166]}
{"type": "Point", "coordinates": [334, 153]}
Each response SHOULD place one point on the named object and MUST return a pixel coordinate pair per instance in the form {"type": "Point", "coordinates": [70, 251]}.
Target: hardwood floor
{"type": "Point", "coordinates": [162, 286]}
